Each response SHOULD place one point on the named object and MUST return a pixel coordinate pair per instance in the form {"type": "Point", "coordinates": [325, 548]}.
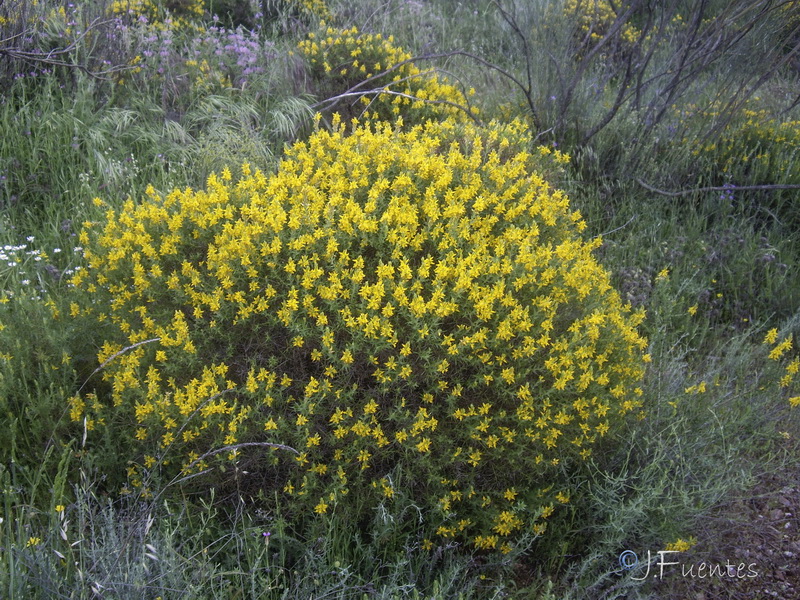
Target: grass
{"type": "Point", "coordinates": [715, 270]}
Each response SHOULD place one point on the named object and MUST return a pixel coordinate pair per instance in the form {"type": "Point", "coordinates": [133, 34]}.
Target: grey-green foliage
{"type": "Point", "coordinates": [642, 62]}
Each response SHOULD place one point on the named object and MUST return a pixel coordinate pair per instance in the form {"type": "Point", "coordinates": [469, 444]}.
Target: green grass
{"type": "Point", "coordinates": [714, 271]}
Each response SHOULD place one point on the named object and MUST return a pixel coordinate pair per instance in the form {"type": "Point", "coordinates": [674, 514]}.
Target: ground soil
{"type": "Point", "coordinates": [754, 536]}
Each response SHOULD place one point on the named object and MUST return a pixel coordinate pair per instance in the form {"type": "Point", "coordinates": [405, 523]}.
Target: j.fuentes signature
{"type": "Point", "coordinates": [629, 560]}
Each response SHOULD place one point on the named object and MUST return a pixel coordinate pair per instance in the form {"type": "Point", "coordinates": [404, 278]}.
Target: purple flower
{"type": "Point", "coordinates": [727, 193]}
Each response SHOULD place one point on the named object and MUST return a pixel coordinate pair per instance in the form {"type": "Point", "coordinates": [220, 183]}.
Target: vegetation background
{"type": "Point", "coordinates": [681, 121]}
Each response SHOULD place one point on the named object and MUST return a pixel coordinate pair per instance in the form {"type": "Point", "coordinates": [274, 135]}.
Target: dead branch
{"type": "Point", "coordinates": [738, 188]}
{"type": "Point", "coordinates": [58, 56]}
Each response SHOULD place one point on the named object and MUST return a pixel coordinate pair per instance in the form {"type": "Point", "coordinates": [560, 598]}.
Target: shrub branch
{"type": "Point", "coordinates": [57, 57]}
{"type": "Point", "coordinates": [738, 188]}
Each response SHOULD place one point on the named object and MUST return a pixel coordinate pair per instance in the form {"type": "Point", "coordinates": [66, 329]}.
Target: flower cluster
{"type": "Point", "coordinates": [307, 10]}
{"type": "Point", "coordinates": [215, 59]}
{"type": "Point", "coordinates": [595, 18]}
{"type": "Point", "coordinates": [381, 80]}
{"type": "Point", "coordinates": [31, 269]}
{"type": "Point", "coordinates": [206, 62]}
{"type": "Point", "coordinates": [788, 17]}
{"type": "Point", "coordinates": [757, 147]}
{"type": "Point", "coordinates": [681, 545]}
{"type": "Point", "coordinates": [179, 14]}
{"type": "Point", "coordinates": [237, 53]}
{"type": "Point", "coordinates": [413, 312]}
{"type": "Point", "coordinates": [777, 353]}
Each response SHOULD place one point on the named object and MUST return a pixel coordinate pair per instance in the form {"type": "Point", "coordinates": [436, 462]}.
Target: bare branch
{"type": "Point", "coordinates": [176, 480]}
{"type": "Point", "coordinates": [528, 90]}
{"type": "Point", "coordinates": [353, 91]}
{"type": "Point", "coordinates": [385, 90]}
{"type": "Point", "coordinates": [738, 188]}
{"type": "Point", "coordinates": [115, 355]}
{"type": "Point", "coordinates": [56, 57]}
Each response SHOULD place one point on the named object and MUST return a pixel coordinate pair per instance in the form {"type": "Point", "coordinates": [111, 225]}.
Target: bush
{"type": "Point", "coordinates": [208, 63]}
{"type": "Point", "coordinates": [179, 14]}
{"type": "Point", "coordinates": [413, 313]}
{"type": "Point", "coordinates": [305, 10]}
{"type": "Point", "coordinates": [595, 18]}
{"type": "Point", "coordinates": [756, 148]}
{"type": "Point", "coordinates": [381, 77]}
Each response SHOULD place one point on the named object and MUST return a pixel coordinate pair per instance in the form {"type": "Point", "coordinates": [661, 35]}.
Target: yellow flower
{"type": "Point", "coordinates": [781, 348]}
{"type": "Point", "coordinates": [321, 278]}
{"type": "Point", "coordinates": [681, 545]}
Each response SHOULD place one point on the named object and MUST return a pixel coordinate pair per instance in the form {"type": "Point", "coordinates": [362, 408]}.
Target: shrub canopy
{"type": "Point", "coordinates": [381, 79]}
{"type": "Point", "coordinates": [414, 312]}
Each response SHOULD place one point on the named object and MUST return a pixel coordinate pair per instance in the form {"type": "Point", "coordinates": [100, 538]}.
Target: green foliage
{"type": "Point", "coordinates": [26, 489]}
{"type": "Point", "coordinates": [37, 372]}
{"type": "Point", "coordinates": [754, 148]}
{"type": "Point", "coordinates": [81, 544]}
{"type": "Point", "coordinates": [60, 151]}
{"type": "Point", "coordinates": [367, 307]}
{"type": "Point", "coordinates": [232, 13]}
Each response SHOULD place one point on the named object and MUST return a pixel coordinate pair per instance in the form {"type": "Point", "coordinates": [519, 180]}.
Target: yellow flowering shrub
{"type": "Point", "coordinates": [681, 545]}
{"type": "Point", "coordinates": [304, 9]}
{"type": "Point", "coordinates": [414, 313]}
{"type": "Point", "coordinates": [595, 18]}
{"type": "Point", "coordinates": [785, 364]}
{"type": "Point", "coordinates": [788, 15]}
{"type": "Point", "coordinates": [757, 145]}
{"type": "Point", "coordinates": [181, 13]}
{"type": "Point", "coordinates": [383, 79]}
